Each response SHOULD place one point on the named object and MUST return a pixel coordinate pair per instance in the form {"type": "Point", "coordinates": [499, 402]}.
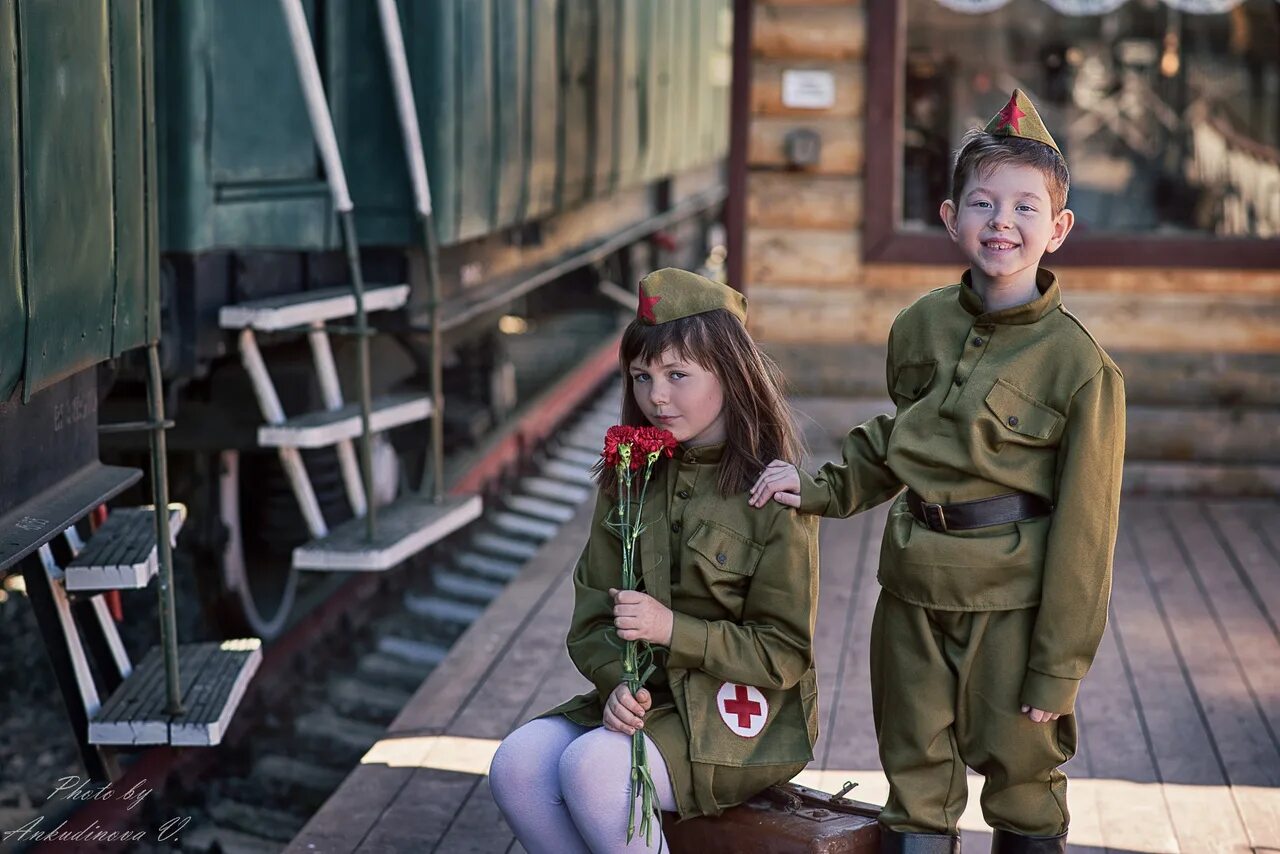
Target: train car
{"type": "Point", "coordinates": [225, 247]}
{"type": "Point", "coordinates": [566, 143]}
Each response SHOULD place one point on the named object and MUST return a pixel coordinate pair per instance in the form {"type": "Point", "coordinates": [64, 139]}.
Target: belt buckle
{"type": "Point", "coordinates": [934, 518]}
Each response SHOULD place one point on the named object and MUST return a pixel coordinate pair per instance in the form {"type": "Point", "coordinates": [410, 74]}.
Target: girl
{"type": "Point", "coordinates": [730, 597]}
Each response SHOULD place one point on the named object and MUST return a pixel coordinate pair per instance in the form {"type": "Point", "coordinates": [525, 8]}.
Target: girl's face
{"type": "Point", "coordinates": [680, 396]}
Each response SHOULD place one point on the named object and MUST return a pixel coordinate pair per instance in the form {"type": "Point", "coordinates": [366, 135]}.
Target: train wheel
{"type": "Point", "coordinates": [260, 583]}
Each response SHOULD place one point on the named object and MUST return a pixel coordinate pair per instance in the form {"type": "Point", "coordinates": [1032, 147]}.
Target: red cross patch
{"type": "Point", "coordinates": [742, 708]}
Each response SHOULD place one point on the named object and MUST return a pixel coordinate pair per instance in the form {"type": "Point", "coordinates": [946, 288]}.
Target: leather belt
{"type": "Point", "coordinates": [964, 515]}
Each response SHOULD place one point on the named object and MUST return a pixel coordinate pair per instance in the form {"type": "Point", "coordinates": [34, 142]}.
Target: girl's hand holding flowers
{"type": "Point", "coordinates": [639, 617]}
{"type": "Point", "coordinates": [624, 711]}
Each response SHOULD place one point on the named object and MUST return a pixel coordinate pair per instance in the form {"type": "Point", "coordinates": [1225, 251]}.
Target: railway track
{"type": "Point", "coordinates": [326, 693]}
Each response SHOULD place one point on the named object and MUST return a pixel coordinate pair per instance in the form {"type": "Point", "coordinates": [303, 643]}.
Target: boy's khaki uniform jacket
{"type": "Point", "coordinates": [743, 584]}
{"type": "Point", "coordinates": [1021, 399]}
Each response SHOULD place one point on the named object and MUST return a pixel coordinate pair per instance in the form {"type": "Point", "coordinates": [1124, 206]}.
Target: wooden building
{"type": "Point", "coordinates": [846, 116]}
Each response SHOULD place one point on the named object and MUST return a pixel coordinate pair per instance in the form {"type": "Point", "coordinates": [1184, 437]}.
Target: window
{"type": "Point", "coordinates": [1170, 122]}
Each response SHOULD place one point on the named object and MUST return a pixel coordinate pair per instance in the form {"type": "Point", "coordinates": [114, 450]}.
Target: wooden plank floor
{"type": "Point", "coordinates": [1179, 716]}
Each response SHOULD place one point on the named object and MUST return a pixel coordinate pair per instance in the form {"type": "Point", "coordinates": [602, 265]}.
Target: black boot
{"type": "Point", "coordinates": [897, 842]}
{"type": "Point", "coordinates": [1008, 842]}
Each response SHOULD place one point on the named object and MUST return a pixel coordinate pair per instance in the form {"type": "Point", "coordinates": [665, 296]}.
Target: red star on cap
{"type": "Point", "coordinates": [1010, 114]}
{"type": "Point", "coordinates": [646, 307]}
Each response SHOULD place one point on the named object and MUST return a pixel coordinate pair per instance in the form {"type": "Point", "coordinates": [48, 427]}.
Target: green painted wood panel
{"type": "Point", "coordinates": [684, 119]}
{"type": "Point", "coordinates": [68, 209]}
{"type": "Point", "coordinates": [511, 143]}
{"type": "Point", "coordinates": [475, 118]}
{"type": "Point", "coordinates": [151, 159]}
{"type": "Point", "coordinates": [630, 131]}
{"type": "Point", "coordinates": [260, 130]}
{"type": "Point", "coordinates": [609, 76]}
{"type": "Point", "coordinates": [658, 96]}
{"type": "Point", "coordinates": [128, 104]}
{"type": "Point", "coordinates": [13, 313]}
{"type": "Point", "coordinates": [544, 107]}
{"type": "Point", "coordinates": [433, 63]}
{"type": "Point", "coordinates": [577, 49]}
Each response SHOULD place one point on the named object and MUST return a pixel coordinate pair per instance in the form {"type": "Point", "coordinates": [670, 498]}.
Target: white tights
{"type": "Point", "coordinates": [566, 788]}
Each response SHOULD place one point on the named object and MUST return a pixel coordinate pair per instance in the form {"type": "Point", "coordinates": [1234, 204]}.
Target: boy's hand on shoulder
{"type": "Point", "coordinates": [624, 711]}
{"type": "Point", "coordinates": [1040, 716]}
{"type": "Point", "coordinates": [639, 617]}
{"type": "Point", "coordinates": [780, 481]}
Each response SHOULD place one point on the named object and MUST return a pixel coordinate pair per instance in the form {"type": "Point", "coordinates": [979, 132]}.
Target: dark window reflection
{"type": "Point", "coordinates": [1170, 121]}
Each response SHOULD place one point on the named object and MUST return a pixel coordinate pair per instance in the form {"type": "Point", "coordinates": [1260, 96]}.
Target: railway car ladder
{"type": "Point", "coordinates": [376, 538]}
{"type": "Point", "coordinates": [181, 694]}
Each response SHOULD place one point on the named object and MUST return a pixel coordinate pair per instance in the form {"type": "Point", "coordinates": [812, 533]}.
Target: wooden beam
{"type": "Point", "coordinates": [840, 140]}
{"type": "Point", "coordinates": [1137, 322]}
{"type": "Point", "coordinates": [807, 32]}
{"type": "Point", "coordinates": [804, 256]}
{"type": "Point", "coordinates": [766, 88]}
{"type": "Point", "coordinates": [801, 200]}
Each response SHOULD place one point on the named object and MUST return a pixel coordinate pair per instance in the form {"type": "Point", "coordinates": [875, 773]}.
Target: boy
{"type": "Point", "coordinates": [995, 566]}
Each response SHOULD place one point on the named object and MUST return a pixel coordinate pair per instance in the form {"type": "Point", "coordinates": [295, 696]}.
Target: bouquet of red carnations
{"type": "Point", "coordinates": [629, 450]}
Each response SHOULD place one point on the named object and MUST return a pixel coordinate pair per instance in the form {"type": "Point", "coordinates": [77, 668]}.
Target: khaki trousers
{"type": "Point", "coordinates": [945, 688]}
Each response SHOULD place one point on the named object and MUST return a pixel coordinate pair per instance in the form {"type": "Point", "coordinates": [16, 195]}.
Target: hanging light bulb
{"type": "Point", "coordinates": [1169, 60]}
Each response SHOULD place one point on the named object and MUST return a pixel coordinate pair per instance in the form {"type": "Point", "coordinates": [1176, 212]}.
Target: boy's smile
{"type": "Point", "coordinates": [1004, 223]}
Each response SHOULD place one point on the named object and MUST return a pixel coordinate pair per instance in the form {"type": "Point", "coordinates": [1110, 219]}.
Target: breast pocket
{"type": "Point", "coordinates": [724, 561]}
{"type": "Point", "coordinates": [913, 379]}
{"type": "Point", "coordinates": [1021, 419]}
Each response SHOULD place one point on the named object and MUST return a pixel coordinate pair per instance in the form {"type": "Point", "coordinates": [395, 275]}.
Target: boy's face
{"type": "Point", "coordinates": [1004, 224]}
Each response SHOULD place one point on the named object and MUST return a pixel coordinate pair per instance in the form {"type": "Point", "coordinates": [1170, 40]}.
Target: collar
{"type": "Point", "coordinates": [1050, 298]}
{"type": "Point", "coordinates": [702, 455]}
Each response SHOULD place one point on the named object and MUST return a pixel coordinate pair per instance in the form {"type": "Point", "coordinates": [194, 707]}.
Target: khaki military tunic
{"type": "Point", "coordinates": [743, 584]}
{"type": "Point", "coordinates": [973, 624]}
{"type": "Point", "coordinates": [1021, 399]}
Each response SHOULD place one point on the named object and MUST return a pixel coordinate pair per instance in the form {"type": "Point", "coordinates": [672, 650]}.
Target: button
{"type": "Point", "coordinates": [977, 342]}
{"type": "Point", "coordinates": [959, 382]}
{"type": "Point", "coordinates": [675, 527]}
{"type": "Point", "coordinates": [684, 493]}
{"type": "Point", "coordinates": [720, 558]}
{"type": "Point", "coordinates": [1013, 421]}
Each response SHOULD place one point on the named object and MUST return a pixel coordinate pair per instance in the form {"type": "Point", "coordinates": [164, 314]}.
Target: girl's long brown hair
{"type": "Point", "coordinates": [759, 426]}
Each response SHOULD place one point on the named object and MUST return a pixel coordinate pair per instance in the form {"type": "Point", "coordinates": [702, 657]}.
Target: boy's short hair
{"type": "Point", "coordinates": [980, 152]}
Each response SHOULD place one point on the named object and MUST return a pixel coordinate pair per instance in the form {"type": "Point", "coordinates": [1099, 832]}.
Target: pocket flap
{"type": "Point", "coordinates": [913, 378]}
{"type": "Point", "coordinates": [1021, 413]}
{"type": "Point", "coordinates": [726, 549]}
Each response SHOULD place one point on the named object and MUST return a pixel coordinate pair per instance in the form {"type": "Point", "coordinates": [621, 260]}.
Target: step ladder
{"type": "Point", "coordinates": [376, 538]}
{"type": "Point", "coordinates": [214, 675]}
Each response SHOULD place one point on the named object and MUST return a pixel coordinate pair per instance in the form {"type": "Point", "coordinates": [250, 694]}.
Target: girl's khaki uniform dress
{"type": "Point", "coordinates": [735, 699]}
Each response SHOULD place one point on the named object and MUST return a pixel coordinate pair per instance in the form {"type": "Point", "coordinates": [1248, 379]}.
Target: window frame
{"type": "Point", "coordinates": [886, 241]}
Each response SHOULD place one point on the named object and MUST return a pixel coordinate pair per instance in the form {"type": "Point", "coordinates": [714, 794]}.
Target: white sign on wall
{"type": "Point", "coordinates": [808, 90]}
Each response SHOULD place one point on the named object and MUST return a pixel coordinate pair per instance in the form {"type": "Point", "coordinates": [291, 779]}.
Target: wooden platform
{"type": "Point", "coordinates": [1179, 716]}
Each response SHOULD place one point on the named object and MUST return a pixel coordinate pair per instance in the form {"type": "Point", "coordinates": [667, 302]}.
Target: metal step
{"type": "Point", "coordinates": [405, 527]}
{"type": "Point", "coordinates": [213, 678]}
{"type": "Point", "coordinates": [507, 547]}
{"type": "Point", "coordinates": [414, 652]}
{"type": "Point", "coordinates": [322, 429]}
{"type": "Point", "coordinates": [540, 508]}
{"type": "Point", "coordinates": [523, 525]}
{"type": "Point", "coordinates": [287, 312]}
{"type": "Point", "coordinates": [555, 490]}
{"type": "Point", "coordinates": [121, 555]}
{"type": "Point", "coordinates": [570, 472]}
{"type": "Point", "coordinates": [33, 523]}
{"type": "Point", "coordinates": [586, 438]}
{"type": "Point", "coordinates": [486, 566]}
{"type": "Point", "coordinates": [464, 587]}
